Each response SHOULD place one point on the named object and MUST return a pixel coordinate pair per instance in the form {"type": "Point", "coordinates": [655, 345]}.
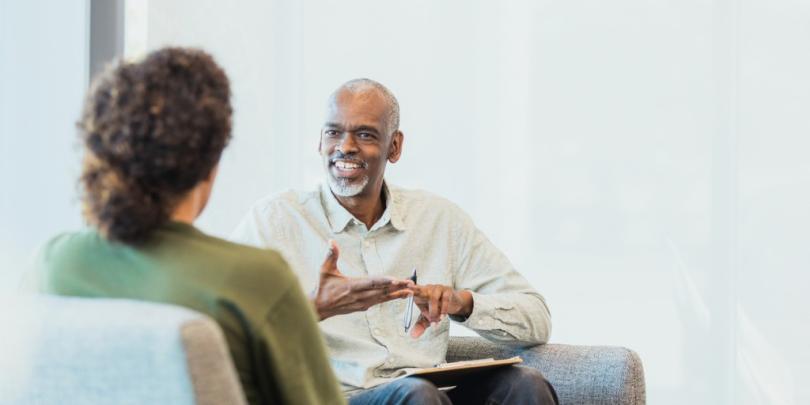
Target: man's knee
{"type": "Point", "coordinates": [418, 391]}
{"type": "Point", "coordinates": [529, 381]}
{"type": "Point", "coordinates": [525, 374]}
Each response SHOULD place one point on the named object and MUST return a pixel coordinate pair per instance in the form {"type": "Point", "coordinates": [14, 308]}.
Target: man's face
{"type": "Point", "coordinates": [356, 142]}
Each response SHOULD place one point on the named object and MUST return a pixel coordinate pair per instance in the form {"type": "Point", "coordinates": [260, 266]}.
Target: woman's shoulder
{"type": "Point", "coordinates": [71, 246]}
{"type": "Point", "coordinates": [243, 255]}
{"type": "Point", "coordinates": [61, 257]}
{"type": "Point", "coordinates": [252, 267]}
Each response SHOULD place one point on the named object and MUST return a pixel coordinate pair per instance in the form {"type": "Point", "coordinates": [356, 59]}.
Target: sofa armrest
{"type": "Point", "coordinates": [579, 374]}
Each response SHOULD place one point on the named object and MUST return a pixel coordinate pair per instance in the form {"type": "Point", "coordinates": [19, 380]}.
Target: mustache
{"type": "Point", "coordinates": [349, 157]}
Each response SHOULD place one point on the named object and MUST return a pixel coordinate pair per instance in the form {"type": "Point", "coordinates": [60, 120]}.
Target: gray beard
{"type": "Point", "coordinates": [344, 188]}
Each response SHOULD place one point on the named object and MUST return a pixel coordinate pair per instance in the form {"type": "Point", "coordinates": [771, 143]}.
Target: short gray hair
{"type": "Point", "coordinates": [361, 85]}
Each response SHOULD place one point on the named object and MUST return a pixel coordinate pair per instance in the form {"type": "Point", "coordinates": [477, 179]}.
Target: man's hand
{"type": "Point", "coordinates": [338, 294]}
{"type": "Point", "coordinates": [435, 302]}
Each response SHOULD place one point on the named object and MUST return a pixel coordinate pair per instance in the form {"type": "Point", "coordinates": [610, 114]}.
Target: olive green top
{"type": "Point", "coordinates": [269, 325]}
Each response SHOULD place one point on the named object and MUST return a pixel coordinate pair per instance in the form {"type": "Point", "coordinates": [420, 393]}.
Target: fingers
{"type": "Point", "coordinates": [370, 283]}
{"type": "Point", "coordinates": [447, 298]}
{"type": "Point", "coordinates": [368, 298]}
{"type": "Point", "coordinates": [420, 326]}
{"type": "Point", "coordinates": [330, 262]}
{"type": "Point", "coordinates": [435, 299]}
{"type": "Point", "coordinates": [435, 304]}
{"type": "Point", "coordinates": [333, 251]}
{"type": "Point", "coordinates": [380, 282]}
{"type": "Point", "coordinates": [398, 295]}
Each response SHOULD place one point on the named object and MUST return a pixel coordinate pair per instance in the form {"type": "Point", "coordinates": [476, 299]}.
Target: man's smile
{"type": "Point", "coordinates": [348, 168]}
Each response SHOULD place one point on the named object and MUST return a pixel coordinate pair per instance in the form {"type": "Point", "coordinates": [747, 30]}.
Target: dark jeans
{"type": "Point", "coordinates": [507, 385]}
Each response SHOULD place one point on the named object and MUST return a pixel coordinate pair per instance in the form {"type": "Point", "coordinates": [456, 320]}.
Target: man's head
{"type": "Point", "coordinates": [359, 136]}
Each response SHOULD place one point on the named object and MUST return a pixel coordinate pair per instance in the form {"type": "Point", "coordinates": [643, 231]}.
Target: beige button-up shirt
{"type": "Point", "coordinates": [417, 229]}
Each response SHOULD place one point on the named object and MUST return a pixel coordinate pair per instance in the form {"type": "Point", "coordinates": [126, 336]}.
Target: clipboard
{"type": "Point", "coordinates": [449, 374]}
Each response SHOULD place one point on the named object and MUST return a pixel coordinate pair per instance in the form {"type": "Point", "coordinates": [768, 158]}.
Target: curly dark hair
{"type": "Point", "coordinates": [152, 130]}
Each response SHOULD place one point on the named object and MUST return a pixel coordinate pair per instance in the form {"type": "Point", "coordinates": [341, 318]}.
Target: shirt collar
{"type": "Point", "coordinates": [339, 217]}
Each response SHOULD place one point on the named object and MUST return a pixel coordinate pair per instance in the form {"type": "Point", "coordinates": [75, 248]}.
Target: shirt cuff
{"type": "Point", "coordinates": [483, 314]}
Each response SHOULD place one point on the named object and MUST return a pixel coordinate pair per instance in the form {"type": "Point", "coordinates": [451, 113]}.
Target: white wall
{"type": "Point", "coordinates": [773, 308]}
{"type": "Point", "coordinates": [43, 77]}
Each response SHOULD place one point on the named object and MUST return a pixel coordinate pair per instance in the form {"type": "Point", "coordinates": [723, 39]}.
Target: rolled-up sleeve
{"type": "Point", "coordinates": [506, 308]}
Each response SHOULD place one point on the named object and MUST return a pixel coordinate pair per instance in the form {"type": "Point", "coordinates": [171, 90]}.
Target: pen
{"type": "Point", "coordinates": [409, 310]}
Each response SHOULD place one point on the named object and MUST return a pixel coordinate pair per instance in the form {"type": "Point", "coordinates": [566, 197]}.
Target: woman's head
{"type": "Point", "coordinates": [152, 131]}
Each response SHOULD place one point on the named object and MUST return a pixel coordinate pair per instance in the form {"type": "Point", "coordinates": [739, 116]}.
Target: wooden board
{"type": "Point", "coordinates": [453, 373]}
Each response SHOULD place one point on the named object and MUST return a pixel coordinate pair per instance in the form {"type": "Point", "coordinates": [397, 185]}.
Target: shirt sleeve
{"type": "Point", "coordinates": [506, 308]}
{"type": "Point", "coordinates": [254, 228]}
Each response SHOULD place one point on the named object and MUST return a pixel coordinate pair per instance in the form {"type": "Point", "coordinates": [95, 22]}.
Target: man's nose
{"type": "Point", "coordinates": [347, 144]}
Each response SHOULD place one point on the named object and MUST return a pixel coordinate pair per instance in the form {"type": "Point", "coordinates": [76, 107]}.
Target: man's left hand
{"type": "Point", "coordinates": [435, 301]}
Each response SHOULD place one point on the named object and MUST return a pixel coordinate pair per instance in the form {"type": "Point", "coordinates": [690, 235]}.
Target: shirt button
{"type": "Point", "coordinates": [377, 331]}
{"type": "Point", "coordinates": [366, 243]}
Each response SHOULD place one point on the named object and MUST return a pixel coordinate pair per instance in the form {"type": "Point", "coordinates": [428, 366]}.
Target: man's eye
{"type": "Point", "coordinates": [365, 135]}
{"type": "Point", "coordinates": [331, 132]}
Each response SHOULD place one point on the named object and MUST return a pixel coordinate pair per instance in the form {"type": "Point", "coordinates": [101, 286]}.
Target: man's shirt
{"type": "Point", "coordinates": [417, 229]}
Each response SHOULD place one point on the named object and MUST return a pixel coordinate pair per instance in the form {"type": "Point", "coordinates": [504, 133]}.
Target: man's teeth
{"type": "Point", "coordinates": [347, 165]}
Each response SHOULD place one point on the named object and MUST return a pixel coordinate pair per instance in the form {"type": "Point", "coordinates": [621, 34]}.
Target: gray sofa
{"type": "Point", "coordinates": [579, 374]}
{"type": "Point", "coordinates": [100, 351]}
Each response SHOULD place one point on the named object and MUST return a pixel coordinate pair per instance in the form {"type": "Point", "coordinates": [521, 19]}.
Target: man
{"type": "Point", "coordinates": [384, 233]}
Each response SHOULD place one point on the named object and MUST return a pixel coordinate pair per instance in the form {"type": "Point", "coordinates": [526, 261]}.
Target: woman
{"type": "Point", "coordinates": [153, 133]}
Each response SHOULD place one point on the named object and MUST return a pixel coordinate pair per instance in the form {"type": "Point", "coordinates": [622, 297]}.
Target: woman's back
{"type": "Point", "coordinates": [153, 133]}
{"type": "Point", "coordinates": [268, 324]}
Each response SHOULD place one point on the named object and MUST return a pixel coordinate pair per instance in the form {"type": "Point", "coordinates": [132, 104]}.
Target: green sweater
{"type": "Point", "coordinates": [269, 325]}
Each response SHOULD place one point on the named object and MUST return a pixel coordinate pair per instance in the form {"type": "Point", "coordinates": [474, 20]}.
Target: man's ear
{"type": "Point", "coordinates": [395, 151]}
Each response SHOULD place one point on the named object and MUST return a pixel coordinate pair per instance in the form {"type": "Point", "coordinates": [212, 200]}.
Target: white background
{"type": "Point", "coordinates": [643, 163]}
{"type": "Point", "coordinates": [43, 77]}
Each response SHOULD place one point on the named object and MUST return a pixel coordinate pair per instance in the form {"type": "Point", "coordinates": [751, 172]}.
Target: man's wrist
{"type": "Point", "coordinates": [467, 304]}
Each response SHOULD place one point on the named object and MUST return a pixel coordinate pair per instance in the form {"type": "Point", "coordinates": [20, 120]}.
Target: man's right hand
{"type": "Point", "coordinates": [338, 294]}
